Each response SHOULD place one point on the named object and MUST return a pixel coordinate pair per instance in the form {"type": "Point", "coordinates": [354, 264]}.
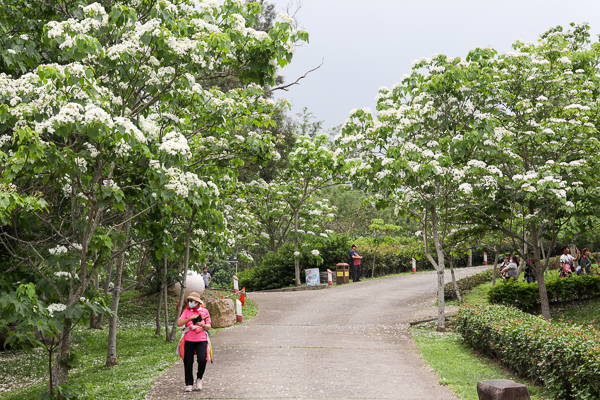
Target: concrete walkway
{"type": "Point", "coordinates": [350, 342]}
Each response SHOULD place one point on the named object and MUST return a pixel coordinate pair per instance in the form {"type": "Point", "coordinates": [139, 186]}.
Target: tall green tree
{"type": "Point", "coordinates": [121, 124]}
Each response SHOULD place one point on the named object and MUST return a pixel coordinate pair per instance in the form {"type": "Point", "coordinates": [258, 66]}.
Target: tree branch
{"type": "Point", "coordinates": [285, 87]}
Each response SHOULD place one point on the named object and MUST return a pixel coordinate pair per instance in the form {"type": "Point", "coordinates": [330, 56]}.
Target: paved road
{"type": "Point", "coordinates": [350, 342]}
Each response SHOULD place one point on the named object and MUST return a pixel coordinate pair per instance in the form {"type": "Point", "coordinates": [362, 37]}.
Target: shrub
{"type": "Point", "coordinates": [396, 257]}
{"type": "Point", "coordinates": [467, 283]}
{"type": "Point", "coordinates": [275, 271]}
{"type": "Point", "coordinates": [221, 273]}
{"type": "Point", "coordinates": [391, 258]}
{"type": "Point", "coordinates": [525, 295]}
{"type": "Point", "coordinates": [563, 357]}
{"type": "Point", "coordinates": [335, 250]}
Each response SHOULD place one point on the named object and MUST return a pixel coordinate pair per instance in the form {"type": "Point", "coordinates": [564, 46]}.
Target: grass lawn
{"type": "Point", "coordinates": [459, 367]}
{"type": "Point", "coordinates": [142, 356]}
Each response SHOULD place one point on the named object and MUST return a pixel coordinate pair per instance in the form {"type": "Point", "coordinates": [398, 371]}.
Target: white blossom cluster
{"type": "Point", "coordinates": [58, 250]}
{"type": "Point", "coordinates": [56, 307]}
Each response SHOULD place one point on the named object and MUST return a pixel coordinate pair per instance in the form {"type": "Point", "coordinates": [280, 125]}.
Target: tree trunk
{"type": "Point", "coordinates": [107, 281]}
{"type": "Point", "coordinates": [160, 296]}
{"type": "Point", "coordinates": [539, 274]}
{"type": "Point", "coordinates": [188, 233]}
{"type": "Point", "coordinates": [93, 315]}
{"type": "Point", "coordinates": [454, 285]}
{"type": "Point", "coordinates": [441, 323]}
{"type": "Point", "coordinates": [522, 263]}
{"type": "Point", "coordinates": [543, 295]}
{"type": "Point", "coordinates": [542, 248]}
{"type": "Point", "coordinates": [111, 353]}
{"type": "Point", "coordinates": [61, 367]}
{"type": "Point", "coordinates": [142, 266]}
{"type": "Point", "coordinates": [165, 294]}
{"type": "Point", "coordinates": [373, 270]}
{"type": "Point", "coordinates": [296, 261]}
{"type": "Point", "coordinates": [470, 260]}
{"type": "Point", "coordinates": [495, 272]}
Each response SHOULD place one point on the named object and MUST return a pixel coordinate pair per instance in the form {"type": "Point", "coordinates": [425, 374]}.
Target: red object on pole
{"type": "Point", "coordinates": [243, 296]}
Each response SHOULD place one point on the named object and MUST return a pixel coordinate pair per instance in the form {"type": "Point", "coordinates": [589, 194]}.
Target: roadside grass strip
{"type": "Point", "coordinates": [460, 368]}
{"type": "Point", "coordinates": [142, 356]}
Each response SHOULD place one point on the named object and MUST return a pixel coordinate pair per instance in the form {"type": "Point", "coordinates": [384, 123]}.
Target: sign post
{"type": "Point", "coordinates": [312, 277]}
{"type": "Point", "coordinates": [236, 287]}
{"type": "Point", "coordinates": [238, 310]}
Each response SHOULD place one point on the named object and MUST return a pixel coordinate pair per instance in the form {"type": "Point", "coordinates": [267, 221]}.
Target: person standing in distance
{"type": "Point", "coordinates": [585, 262]}
{"type": "Point", "coordinates": [207, 278]}
{"type": "Point", "coordinates": [567, 262]}
{"type": "Point", "coordinates": [356, 268]}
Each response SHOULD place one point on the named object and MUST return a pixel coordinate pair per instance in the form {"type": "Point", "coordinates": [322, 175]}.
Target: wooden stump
{"type": "Point", "coordinates": [502, 389]}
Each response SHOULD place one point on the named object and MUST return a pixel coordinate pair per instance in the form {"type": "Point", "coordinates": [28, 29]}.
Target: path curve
{"type": "Point", "coordinates": [350, 342]}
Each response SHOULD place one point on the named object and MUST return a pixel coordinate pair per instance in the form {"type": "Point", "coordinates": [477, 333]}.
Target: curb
{"type": "Point", "coordinates": [294, 289]}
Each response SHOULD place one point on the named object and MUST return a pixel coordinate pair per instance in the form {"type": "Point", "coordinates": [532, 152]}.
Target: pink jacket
{"type": "Point", "coordinates": [191, 335]}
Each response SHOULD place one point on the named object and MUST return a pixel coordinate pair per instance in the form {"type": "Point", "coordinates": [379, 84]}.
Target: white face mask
{"type": "Point", "coordinates": [192, 304]}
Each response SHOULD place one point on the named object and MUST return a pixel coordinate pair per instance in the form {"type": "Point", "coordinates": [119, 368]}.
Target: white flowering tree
{"type": "Point", "coordinates": [546, 142]}
{"type": "Point", "coordinates": [313, 166]}
{"type": "Point", "coordinates": [415, 154]}
{"type": "Point", "coordinates": [269, 221]}
{"type": "Point", "coordinates": [124, 124]}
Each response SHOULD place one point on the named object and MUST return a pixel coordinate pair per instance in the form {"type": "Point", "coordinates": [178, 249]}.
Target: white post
{"type": "Point", "coordinates": [329, 277]}
{"type": "Point", "coordinates": [484, 258]}
{"type": "Point", "coordinates": [414, 265]}
{"type": "Point", "coordinates": [238, 308]}
{"type": "Point", "coordinates": [236, 287]}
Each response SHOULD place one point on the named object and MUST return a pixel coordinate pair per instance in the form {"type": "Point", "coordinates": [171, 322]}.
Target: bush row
{"type": "Point", "coordinates": [467, 283]}
{"type": "Point", "coordinates": [525, 295]}
{"type": "Point", "coordinates": [277, 269]}
{"type": "Point", "coordinates": [563, 357]}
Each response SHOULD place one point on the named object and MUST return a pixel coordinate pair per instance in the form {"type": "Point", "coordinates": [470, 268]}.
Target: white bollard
{"type": "Point", "coordinates": [236, 288]}
{"type": "Point", "coordinates": [329, 277]}
{"type": "Point", "coordinates": [414, 266]}
{"type": "Point", "coordinates": [238, 309]}
{"type": "Point", "coordinates": [484, 258]}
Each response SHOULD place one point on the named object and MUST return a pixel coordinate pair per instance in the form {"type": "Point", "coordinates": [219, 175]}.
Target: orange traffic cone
{"type": "Point", "coordinates": [243, 296]}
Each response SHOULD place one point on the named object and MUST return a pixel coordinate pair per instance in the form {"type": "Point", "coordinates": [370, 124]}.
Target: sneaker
{"type": "Point", "coordinates": [189, 388]}
{"type": "Point", "coordinates": [198, 384]}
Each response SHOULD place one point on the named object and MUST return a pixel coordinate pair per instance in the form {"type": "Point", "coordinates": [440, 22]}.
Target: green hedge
{"type": "Point", "coordinates": [277, 269]}
{"type": "Point", "coordinates": [525, 295]}
{"type": "Point", "coordinates": [563, 357]}
{"type": "Point", "coordinates": [396, 257]}
{"type": "Point", "coordinates": [467, 283]}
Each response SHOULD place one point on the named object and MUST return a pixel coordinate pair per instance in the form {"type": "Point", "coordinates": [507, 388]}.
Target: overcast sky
{"type": "Point", "coordinates": [368, 44]}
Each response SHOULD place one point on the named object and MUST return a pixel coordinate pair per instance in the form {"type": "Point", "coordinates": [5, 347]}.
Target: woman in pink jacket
{"type": "Point", "coordinates": [197, 321]}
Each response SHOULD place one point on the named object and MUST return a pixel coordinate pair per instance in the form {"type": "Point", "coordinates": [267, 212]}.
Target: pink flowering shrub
{"type": "Point", "coordinates": [563, 357]}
